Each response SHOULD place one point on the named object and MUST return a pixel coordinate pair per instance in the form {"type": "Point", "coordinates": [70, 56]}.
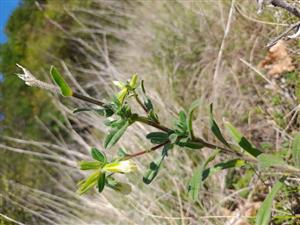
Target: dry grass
{"type": "Point", "coordinates": [183, 50]}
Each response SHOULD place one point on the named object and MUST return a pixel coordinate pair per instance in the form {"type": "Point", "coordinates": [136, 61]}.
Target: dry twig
{"type": "Point", "coordinates": [291, 9]}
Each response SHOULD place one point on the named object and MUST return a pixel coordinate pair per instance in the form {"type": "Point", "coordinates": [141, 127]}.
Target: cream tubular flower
{"type": "Point", "coordinates": [120, 167]}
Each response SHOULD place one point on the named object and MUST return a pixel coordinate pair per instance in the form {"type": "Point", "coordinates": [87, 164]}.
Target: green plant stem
{"type": "Point", "coordinates": [87, 99]}
{"type": "Point", "coordinates": [140, 102]}
{"type": "Point", "coordinates": [199, 140]}
{"type": "Point", "coordinates": [130, 156]}
{"type": "Point", "coordinates": [285, 168]}
{"type": "Point", "coordinates": [213, 146]}
{"type": "Point", "coordinates": [145, 120]}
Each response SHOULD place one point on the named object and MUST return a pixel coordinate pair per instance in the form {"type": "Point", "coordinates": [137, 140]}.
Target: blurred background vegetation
{"type": "Point", "coordinates": [175, 47]}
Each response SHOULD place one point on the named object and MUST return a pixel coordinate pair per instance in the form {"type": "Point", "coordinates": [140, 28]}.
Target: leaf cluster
{"type": "Point", "coordinates": [120, 115]}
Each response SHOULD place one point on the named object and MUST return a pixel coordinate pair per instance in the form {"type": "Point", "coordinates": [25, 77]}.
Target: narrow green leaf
{"type": "Point", "coordinates": [60, 82]}
{"type": "Point", "coordinates": [234, 163]}
{"type": "Point", "coordinates": [90, 182]}
{"type": "Point", "coordinates": [267, 160]}
{"type": "Point", "coordinates": [181, 125]}
{"type": "Point", "coordinates": [133, 82]}
{"type": "Point", "coordinates": [98, 155]}
{"type": "Point", "coordinates": [106, 111]}
{"type": "Point", "coordinates": [157, 137]}
{"type": "Point", "coordinates": [83, 110]}
{"type": "Point", "coordinates": [101, 182]}
{"type": "Point", "coordinates": [115, 134]}
{"type": "Point", "coordinates": [148, 104]}
{"type": "Point", "coordinates": [167, 147]}
{"type": "Point", "coordinates": [152, 171]}
{"type": "Point", "coordinates": [296, 150]}
{"type": "Point", "coordinates": [114, 123]}
{"type": "Point", "coordinates": [86, 165]}
{"type": "Point", "coordinates": [152, 115]}
{"type": "Point", "coordinates": [242, 141]}
{"type": "Point", "coordinates": [215, 128]}
{"type": "Point", "coordinates": [196, 181]}
{"type": "Point", "coordinates": [154, 166]}
{"type": "Point", "coordinates": [124, 111]}
{"type": "Point", "coordinates": [190, 144]}
{"type": "Point", "coordinates": [116, 101]}
{"type": "Point", "coordinates": [182, 117]}
{"type": "Point", "coordinates": [264, 212]}
{"type": "Point", "coordinates": [192, 108]}
{"type": "Point", "coordinates": [122, 94]}
{"type": "Point", "coordinates": [143, 87]}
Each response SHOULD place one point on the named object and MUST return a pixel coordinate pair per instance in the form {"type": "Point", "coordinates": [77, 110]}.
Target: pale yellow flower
{"type": "Point", "coordinates": [120, 167]}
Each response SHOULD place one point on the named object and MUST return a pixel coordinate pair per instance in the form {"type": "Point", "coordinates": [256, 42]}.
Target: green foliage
{"type": "Point", "coordinates": [120, 116]}
{"type": "Point", "coordinates": [186, 142]}
{"type": "Point", "coordinates": [192, 108]}
{"type": "Point", "coordinates": [148, 104]}
{"type": "Point", "coordinates": [242, 141]}
{"type": "Point", "coordinates": [84, 165]}
{"type": "Point", "coordinates": [296, 150]}
{"type": "Point", "coordinates": [158, 137]}
{"type": "Point", "coordinates": [234, 163]}
{"type": "Point", "coordinates": [268, 160]}
{"type": "Point", "coordinates": [239, 182]}
{"type": "Point", "coordinates": [101, 168]}
{"type": "Point", "coordinates": [181, 125]}
{"type": "Point", "coordinates": [196, 181]}
{"type": "Point", "coordinates": [97, 155]}
{"type": "Point", "coordinates": [264, 212]}
{"type": "Point", "coordinates": [90, 182]}
{"type": "Point", "coordinates": [61, 83]}
{"type": "Point", "coordinates": [154, 166]}
{"type": "Point", "coordinates": [215, 128]}
{"type": "Point", "coordinates": [101, 182]}
{"type": "Point", "coordinates": [116, 133]}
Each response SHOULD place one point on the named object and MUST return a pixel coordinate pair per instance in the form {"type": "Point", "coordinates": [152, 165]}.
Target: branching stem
{"type": "Point", "coordinates": [129, 156]}
{"type": "Point", "coordinates": [140, 102]}
{"type": "Point", "coordinates": [145, 120]}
